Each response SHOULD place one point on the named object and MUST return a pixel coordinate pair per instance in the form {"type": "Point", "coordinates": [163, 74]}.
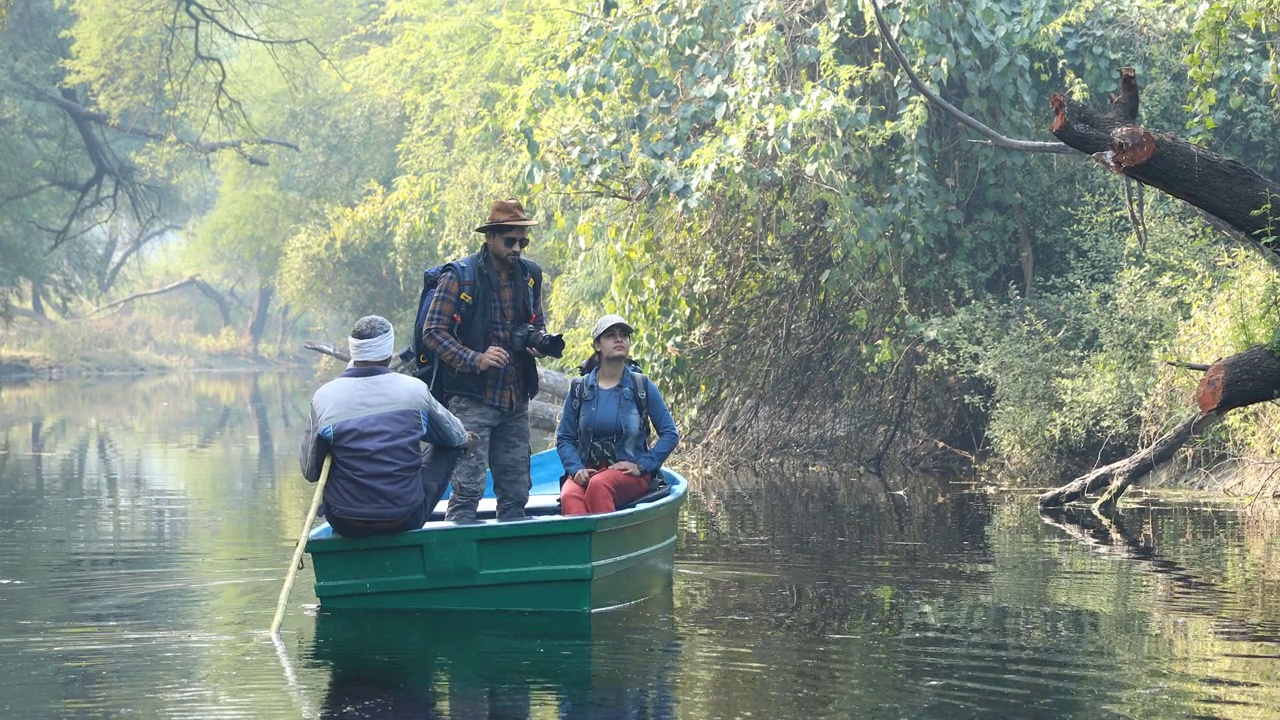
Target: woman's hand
{"type": "Point", "coordinates": [627, 467]}
{"type": "Point", "coordinates": [582, 476]}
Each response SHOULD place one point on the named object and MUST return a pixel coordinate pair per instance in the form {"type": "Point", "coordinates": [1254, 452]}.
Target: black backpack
{"type": "Point", "coordinates": [423, 362]}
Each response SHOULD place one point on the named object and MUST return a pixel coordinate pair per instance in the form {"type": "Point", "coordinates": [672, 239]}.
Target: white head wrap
{"type": "Point", "coordinates": [374, 349]}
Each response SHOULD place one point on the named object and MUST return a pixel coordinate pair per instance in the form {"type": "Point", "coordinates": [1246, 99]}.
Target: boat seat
{"type": "Point", "coordinates": [488, 507]}
{"type": "Point", "coordinates": [545, 504]}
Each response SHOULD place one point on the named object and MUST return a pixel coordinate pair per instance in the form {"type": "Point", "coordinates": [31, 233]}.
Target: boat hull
{"type": "Point", "coordinates": [543, 563]}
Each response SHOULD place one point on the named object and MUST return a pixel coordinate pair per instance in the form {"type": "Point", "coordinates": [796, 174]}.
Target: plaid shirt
{"type": "Point", "coordinates": [504, 388]}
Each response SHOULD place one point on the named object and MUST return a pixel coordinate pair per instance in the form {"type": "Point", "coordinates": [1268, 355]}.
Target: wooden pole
{"type": "Point", "coordinates": [301, 546]}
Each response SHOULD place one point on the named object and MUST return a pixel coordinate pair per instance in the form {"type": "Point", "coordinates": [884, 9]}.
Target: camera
{"type": "Point", "coordinates": [545, 343]}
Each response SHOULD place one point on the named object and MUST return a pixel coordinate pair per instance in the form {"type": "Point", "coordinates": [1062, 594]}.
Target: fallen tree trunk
{"type": "Point", "coordinates": [1221, 186]}
{"type": "Point", "coordinates": [543, 415]}
{"type": "Point", "coordinates": [1247, 378]}
{"type": "Point", "coordinates": [1118, 476]}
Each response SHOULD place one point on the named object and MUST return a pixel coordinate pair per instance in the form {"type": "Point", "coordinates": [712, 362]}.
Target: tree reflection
{"type": "Point", "coordinates": [1190, 592]}
{"type": "Point", "coordinates": [261, 419]}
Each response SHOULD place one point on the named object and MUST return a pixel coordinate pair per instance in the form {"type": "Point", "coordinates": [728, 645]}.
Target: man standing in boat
{"type": "Point", "coordinates": [485, 324]}
{"type": "Point", "coordinates": [374, 421]}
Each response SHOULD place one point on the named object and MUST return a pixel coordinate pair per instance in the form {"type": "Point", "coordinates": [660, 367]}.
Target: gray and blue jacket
{"type": "Point", "coordinates": [631, 442]}
{"type": "Point", "coordinates": [374, 421]}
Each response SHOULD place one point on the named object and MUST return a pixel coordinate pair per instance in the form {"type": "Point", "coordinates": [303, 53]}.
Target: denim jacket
{"type": "Point", "coordinates": [573, 437]}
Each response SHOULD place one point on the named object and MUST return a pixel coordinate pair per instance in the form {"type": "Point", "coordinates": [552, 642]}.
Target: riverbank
{"type": "Point", "coordinates": [127, 344]}
{"type": "Point", "coordinates": [20, 367]}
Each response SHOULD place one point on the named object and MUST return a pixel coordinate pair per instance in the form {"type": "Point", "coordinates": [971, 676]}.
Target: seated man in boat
{"type": "Point", "coordinates": [603, 437]}
{"type": "Point", "coordinates": [374, 422]}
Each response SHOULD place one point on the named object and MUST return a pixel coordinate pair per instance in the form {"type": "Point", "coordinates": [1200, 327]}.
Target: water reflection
{"type": "Point", "coordinates": [616, 664]}
{"type": "Point", "coordinates": [1183, 590]}
{"type": "Point", "coordinates": [145, 522]}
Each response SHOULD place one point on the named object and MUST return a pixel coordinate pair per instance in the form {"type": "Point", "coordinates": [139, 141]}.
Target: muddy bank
{"type": "Point", "coordinates": [20, 369]}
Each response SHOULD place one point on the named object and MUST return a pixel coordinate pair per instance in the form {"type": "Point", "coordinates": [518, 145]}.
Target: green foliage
{"type": "Point", "coordinates": [816, 260]}
{"type": "Point", "coordinates": [1071, 368]}
{"type": "Point", "coordinates": [346, 265]}
{"type": "Point", "coordinates": [1233, 61]}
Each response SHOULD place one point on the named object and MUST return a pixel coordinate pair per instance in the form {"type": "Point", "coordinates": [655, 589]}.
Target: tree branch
{"type": "Point", "coordinates": [994, 138]}
{"type": "Point", "coordinates": [79, 112]}
{"type": "Point", "coordinates": [192, 280]}
{"type": "Point", "coordinates": [1188, 365]}
{"type": "Point", "coordinates": [1130, 469]}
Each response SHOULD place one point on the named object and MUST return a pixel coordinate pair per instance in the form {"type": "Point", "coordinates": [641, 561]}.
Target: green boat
{"type": "Point", "coordinates": [544, 563]}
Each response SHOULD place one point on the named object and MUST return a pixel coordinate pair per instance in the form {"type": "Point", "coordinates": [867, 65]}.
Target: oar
{"type": "Point", "coordinates": [302, 544]}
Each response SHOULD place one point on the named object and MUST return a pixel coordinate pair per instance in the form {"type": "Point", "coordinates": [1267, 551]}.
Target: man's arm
{"type": "Point", "coordinates": [437, 328]}
{"type": "Point", "coordinates": [315, 446]}
{"type": "Point", "coordinates": [441, 427]}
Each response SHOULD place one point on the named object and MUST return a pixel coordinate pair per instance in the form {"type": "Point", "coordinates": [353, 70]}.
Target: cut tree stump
{"type": "Point", "coordinates": [1252, 376]}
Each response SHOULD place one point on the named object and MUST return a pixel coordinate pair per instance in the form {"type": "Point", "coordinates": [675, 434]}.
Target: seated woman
{"type": "Point", "coordinates": [603, 439]}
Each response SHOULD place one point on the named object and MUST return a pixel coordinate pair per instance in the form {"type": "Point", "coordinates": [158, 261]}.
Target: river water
{"type": "Point", "coordinates": [145, 525]}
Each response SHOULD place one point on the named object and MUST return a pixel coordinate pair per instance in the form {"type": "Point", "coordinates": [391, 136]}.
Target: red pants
{"type": "Point", "coordinates": [605, 491]}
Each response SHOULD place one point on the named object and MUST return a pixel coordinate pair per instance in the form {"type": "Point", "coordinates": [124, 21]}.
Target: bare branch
{"type": "Point", "coordinates": [194, 9]}
{"type": "Point", "coordinates": [80, 112]}
{"type": "Point", "coordinates": [140, 240]}
{"type": "Point", "coordinates": [1201, 367]}
{"type": "Point", "coordinates": [192, 280]}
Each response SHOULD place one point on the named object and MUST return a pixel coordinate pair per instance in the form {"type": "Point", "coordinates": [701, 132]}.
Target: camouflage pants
{"type": "Point", "coordinates": [503, 448]}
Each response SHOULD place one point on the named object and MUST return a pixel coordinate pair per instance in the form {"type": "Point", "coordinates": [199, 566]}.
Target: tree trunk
{"type": "Point", "coordinates": [37, 302]}
{"type": "Point", "coordinates": [283, 327]}
{"type": "Point", "coordinates": [258, 320]}
{"type": "Point", "coordinates": [1220, 186]}
{"type": "Point", "coordinates": [224, 307]}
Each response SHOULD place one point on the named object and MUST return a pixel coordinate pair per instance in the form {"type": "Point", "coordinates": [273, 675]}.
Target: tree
{"type": "Point", "coordinates": [462, 145]}
{"type": "Point", "coordinates": [103, 103]}
{"type": "Point", "coordinates": [1238, 196]}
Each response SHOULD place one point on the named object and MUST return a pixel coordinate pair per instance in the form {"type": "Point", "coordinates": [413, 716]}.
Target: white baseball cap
{"type": "Point", "coordinates": [607, 322]}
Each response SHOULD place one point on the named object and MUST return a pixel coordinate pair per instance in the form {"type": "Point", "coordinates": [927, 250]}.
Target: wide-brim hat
{"type": "Point", "coordinates": [505, 213]}
{"type": "Point", "coordinates": [607, 322]}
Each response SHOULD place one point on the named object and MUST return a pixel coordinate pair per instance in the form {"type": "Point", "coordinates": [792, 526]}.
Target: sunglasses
{"type": "Point", "coordinates": [511, 241]}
